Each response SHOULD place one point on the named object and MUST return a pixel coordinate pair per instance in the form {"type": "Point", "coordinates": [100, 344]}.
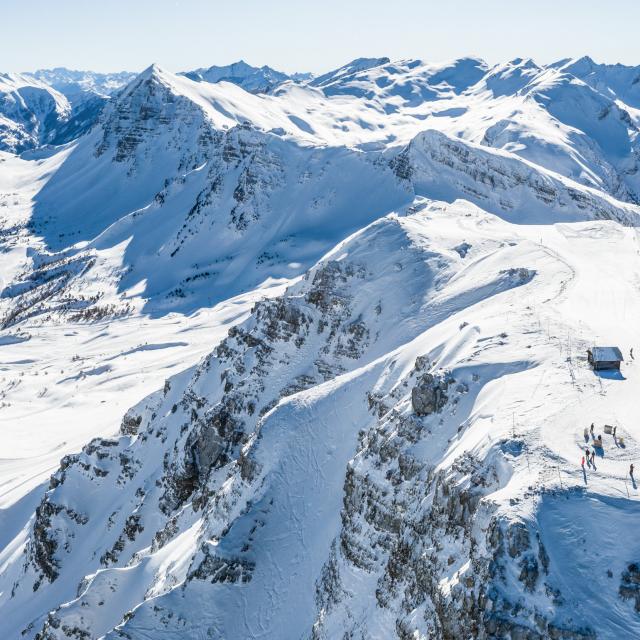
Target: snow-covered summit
{"type": "Point", "coordinates": [411, 81]}
{"type": "Point", "coordinates": [511, 77]}
{"type": "Point", "coordinates": [355, 66]}
{"type": "Point", "coordinates": [618, 81]}
{"type": "Point", "coordinates": [252, 79]}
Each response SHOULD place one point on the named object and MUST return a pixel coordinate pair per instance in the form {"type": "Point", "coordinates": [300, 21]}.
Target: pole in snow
{"type": "Point", "coordinates": [559, 476]}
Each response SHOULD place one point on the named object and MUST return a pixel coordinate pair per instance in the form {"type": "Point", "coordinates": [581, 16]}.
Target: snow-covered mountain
{"type": "Point", "coordinates": [404, 82]}
{"type": "Point", "coordinates": [87, 93]}
{"type": "Point", "coordinates": [29, 111]}
{"type": "Point", "coordinates": [52, 106]}
{"type": "Point", "coordinates": [79, 86]}
{"type": "Point", "coordinates": [306, 357]}
{"type": "Point", "coordinates": [252, 79]}
{"type": "Point", "coordinates": [617, 81]}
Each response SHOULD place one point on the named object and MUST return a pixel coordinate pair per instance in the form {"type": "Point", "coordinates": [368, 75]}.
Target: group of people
{"type": "Point", "coordinates": [590, 455]}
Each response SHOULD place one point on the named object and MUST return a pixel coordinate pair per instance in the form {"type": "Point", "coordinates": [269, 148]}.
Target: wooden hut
{"type": "Point", "coordinates": [605, 358]}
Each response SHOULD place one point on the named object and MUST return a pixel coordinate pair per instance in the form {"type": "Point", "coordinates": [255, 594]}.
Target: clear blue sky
{"type": "Point", "coordinates": [108, 35]}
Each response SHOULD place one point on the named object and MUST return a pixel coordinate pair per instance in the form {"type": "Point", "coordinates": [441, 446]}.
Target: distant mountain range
{"type": "Point", "coordinates": [252, 79]}
{"type": "Point", "coordinates": [58, 105]}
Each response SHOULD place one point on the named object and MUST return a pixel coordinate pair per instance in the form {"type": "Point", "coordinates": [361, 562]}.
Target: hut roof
{"type": "Point", "coordinates": [606, 354]}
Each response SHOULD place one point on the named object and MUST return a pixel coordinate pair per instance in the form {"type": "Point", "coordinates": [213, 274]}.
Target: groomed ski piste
{"type": "Point", "coordinates": [366, 420]}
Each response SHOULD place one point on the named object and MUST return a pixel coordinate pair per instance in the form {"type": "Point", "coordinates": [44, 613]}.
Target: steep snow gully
{"type": "Point", "coordinates": [297, 358]}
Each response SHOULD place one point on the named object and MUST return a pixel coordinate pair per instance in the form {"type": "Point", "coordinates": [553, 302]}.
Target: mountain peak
{"type": "Point", "coordinates": [153, 74]}
{"type": "Point", "coordinates": [153, 70]}
{"type": "Point", "coordinates": [587, 60]}
{"type": "Point", "coordinates": [252, 79]}
{"type": "Point", "coordinates": [578, 66]}
{"type": "Point", "coordinates": [355, 66]}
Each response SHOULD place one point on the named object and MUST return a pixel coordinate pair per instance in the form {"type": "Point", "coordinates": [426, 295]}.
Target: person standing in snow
{"type": "Point", "coordinates": [591, 429]}
{"type": "Point", "coordinates": [582, 463]}
{"type": "Point", "coordinates": [631, 470]}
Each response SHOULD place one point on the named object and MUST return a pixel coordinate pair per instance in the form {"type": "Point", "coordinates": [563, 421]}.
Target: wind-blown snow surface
{"type": "Point", "coordinates": [331, 344]}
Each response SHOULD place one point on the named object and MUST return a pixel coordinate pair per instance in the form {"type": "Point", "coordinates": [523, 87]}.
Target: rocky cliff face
{"type": "Point", "coordinates": [501, 184]}
{"type": "Point", "coordinates": [441, 558]}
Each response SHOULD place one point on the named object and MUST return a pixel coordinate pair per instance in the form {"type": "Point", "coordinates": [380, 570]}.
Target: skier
{"type": "Point", "coordinates": [631, 352]}
{"type": "Point", "coordinates": [591, 429]}
{"type": "Point", "coordinates": [582, 463]}
{"type": "Point", "coordinates": [631, 470]}
{"type": "Point", "coordinates": [593, 457]}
